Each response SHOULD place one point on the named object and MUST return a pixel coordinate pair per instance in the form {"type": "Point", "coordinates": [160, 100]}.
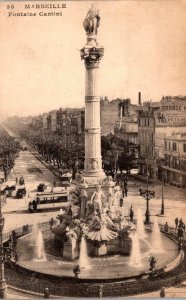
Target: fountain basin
{"type": "Point", "coordinates": [99, 268]}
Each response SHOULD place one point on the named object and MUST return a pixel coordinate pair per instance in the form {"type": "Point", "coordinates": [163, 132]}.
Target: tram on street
{"type": "Point", "coordinates": [48, 201]}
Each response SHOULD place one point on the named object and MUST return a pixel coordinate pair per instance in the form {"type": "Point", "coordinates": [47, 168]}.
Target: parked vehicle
{"type": "Point", "coordinates": [41, 187]}
{"type": "Point", "coordinates": [8, 190]}
{"type": "Point", "coordinates": [20, 193]}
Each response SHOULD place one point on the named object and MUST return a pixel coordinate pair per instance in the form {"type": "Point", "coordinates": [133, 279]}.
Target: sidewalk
{"type": "Point", "coordinates": [172, 292]}
{"type": "Point", "coordinates": [143, 178]}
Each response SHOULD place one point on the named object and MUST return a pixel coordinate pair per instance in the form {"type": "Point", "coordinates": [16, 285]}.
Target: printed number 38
{"type": "Point", "coordinates": [10, 6]}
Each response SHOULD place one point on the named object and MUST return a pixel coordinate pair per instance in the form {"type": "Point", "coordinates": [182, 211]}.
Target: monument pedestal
{"type": "Point", "coordinates": [90, 183]}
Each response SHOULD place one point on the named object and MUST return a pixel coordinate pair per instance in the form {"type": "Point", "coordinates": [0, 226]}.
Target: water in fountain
{"type": "Point", "coordinates": [83, 256]}
{"type": "Point", "coordinates": [39, 247]}
{"type": "Point", "coordinates": [33, 234]}
{"type": "Point", "coordinates": [135, 257]}
{"type": "Point", "coordinates": [140, 224]}
{"type": "Point", "coordinates": [156, 236]}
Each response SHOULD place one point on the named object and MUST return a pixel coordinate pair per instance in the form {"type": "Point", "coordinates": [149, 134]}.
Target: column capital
{"type": "Point", "coordinates": [92, 56]}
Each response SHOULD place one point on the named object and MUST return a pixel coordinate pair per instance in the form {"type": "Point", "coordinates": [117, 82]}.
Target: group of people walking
{"type": "Point", "coordinates": [180, 223]}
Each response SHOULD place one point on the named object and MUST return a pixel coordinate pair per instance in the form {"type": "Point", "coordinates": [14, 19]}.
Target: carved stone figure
{"type": "Point", "coordinates": [97, 199]}
{"type": "Point", "coordinates": [93, 164]}
{"type": "Point", "coordinates": [92, 21]}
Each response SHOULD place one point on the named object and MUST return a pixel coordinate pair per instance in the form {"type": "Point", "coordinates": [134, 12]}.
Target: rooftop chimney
{"type": "Point", "coordinates": [139, 98]}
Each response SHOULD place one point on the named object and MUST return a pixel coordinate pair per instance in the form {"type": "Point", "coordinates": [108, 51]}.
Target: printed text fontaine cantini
{"type": "Point", "coordinates": [54, 9]}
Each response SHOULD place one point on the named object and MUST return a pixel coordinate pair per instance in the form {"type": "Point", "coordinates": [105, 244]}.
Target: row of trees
{"type": "Point", "coordinates": [66, 151]}
{"type": "Point", "coordinates": [9, 149]}
{"type": "Point", "coordinates": [118, 154]}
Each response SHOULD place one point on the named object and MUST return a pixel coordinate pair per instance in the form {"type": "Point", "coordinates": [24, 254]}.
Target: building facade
{"type": "Point", "coordinates": [126, 127]}
{"type": "Point", "coordinates": [155, 123]}
{"type": "Point", "coordinates": [64, 121]}
{"type": "Point", "coordinates": [174, 167]}
{"type": "Point", "coordinates": [109, 115]}
{"type": "Point", "coordinates": [146, 141]}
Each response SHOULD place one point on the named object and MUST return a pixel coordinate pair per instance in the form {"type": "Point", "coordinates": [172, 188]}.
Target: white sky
{"type": "Point", "coordinates": [41, 70]}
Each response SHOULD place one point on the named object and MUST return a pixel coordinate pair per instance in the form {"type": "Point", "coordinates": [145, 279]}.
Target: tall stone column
{"type": "Point", "coordinates": [92, 54]}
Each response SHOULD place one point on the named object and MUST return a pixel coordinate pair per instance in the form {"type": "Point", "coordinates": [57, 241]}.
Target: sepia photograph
{"type": "Point", "coordinates": [92, 149]}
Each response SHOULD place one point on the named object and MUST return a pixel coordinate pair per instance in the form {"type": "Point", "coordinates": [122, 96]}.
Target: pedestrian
{"type": "Point", "coordinates": [131, 214]}
{"type": "Point", "coordinates": [162, 293]}
{"type": "Point", "coordinates": [121, 202]}
{"type": "Point", "coordinates": [16, 180]}
{"type": "Point", "coordinates": [46, 293]}
{"type": "Point", "coordinates": [51, 223]}
{"type": "Point", "coordinates": [126, 191]}
{"type": "Point", "coordinates": [54, 184]}
{"type": "Point", "coordinates": [166, 227]}
{"type": "Point", "coordinates": [176, 222]}
{"type": "Point", "coordinates": [34, 203]}
{"type": "Point", "coordinates": [180, 223]}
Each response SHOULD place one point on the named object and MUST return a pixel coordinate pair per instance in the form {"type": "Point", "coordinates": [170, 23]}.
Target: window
{"type": "Point", "coordinates": [165, 145]}
{"type": "Point", "coordinates": [174, 147]}
{"type": "Point", "coordinates": [184, 147]}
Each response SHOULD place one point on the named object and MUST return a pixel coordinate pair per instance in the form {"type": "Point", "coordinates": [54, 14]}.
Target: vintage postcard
{"type": "Point", "coordinates": [92, 149]}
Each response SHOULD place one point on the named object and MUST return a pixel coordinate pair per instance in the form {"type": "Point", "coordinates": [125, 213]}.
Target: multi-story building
{"type": "Point", "coordinates": [146, 140]}
{"type": "Point", "coordinates": [126, 127]}
{"type": "Point", "coordinates": [119, 116]}
{"type": "Point", "coordinates": [173, 109]}
{"type": "Point", "coordinates": [154, 125]}
{"type": "Point", "coordinates": [174, 167]}
{"type": "Point", "coordinates": [109, 114]}
{"type": "Point", "coordinates": [64, 120]}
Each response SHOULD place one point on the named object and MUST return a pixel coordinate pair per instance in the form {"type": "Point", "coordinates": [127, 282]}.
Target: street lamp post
{"type": "Point", "coordinates": [162, 197]}
{"type": "Point", "coordinates": [147, 194]}
{"type": "Point", "coordinates": [147, 214]}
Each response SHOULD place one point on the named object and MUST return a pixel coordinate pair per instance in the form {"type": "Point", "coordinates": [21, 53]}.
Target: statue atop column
{"type": "Point", "coordinates": [92, 21]}
{"type": "Point", "coordinates": [92, 52]}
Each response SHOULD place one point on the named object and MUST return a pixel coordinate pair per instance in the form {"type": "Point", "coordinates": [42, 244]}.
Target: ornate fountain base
{"type": "Point", "coordinates": [89, 183]}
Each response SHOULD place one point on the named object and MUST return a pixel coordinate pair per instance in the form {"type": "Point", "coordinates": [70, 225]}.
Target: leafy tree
{"type": "Point", "coordinates": [9, 149]}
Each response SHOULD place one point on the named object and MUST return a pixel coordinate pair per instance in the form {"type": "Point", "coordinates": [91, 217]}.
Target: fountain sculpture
{"type": "Point", "coordinates": [93, 227]}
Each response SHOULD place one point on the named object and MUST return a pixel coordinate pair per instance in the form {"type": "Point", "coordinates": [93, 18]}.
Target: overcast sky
{"type": "Point", "coordinates": [41, 70]}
